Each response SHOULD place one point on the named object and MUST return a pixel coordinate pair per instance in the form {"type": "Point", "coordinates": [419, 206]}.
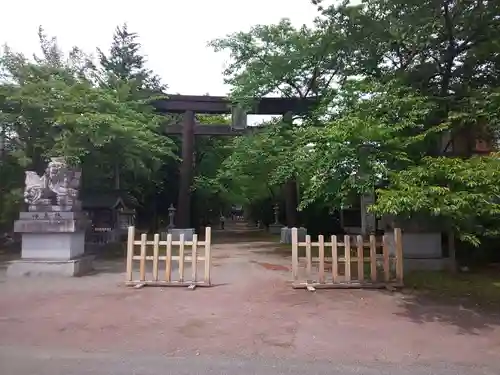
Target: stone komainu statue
{"type": "Point", "coordinates": [59, 185]}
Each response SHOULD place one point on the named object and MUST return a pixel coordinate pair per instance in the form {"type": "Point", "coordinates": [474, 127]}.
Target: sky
{"type": "Point", "coordinates": [173, 33]}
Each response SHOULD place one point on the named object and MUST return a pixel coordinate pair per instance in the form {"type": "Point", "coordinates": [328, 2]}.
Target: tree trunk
{"type": "Point", "coordinates": [452, 252]}
{"type": "Point", "coordinates": [117, 176]}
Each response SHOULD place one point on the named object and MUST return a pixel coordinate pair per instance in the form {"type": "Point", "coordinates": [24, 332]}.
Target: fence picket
{"type": "Point", "coordinates": [308, 257]}
{"type": "Point", "coordinates": [295, 254]}
{"type": "Point", "coordinates": [335, 260]}
{"type": "Point", "coordinates": [373, 258]}
{"type": "Point", "coordinates": [194, 259]}
{"type": "Point", "coordinates": [142, 266]}
{"type": "Point", "coordinates": [130, 252]}
{"type": "Point", "coordinates": [181, 258]}
{"type": "Point", "coordinates": [387, 266]}
{"type": "Point", "coordinates": [208, 257]}
{"type": "Point", "coordinates": [321, 240]}
{"type": "Point", "coordinates": [361, 260]}
{"type": "Point", "coordinates": [156, 254]}
{"type": "Point", "coordinates": [347, 257]}
{"type": "Point", "coordinates": [168, 260]}
{"type": "Point", "coordinates": [399, 254]}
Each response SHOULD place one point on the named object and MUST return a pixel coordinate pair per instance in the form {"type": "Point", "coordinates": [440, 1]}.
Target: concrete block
{"type": "Point", "coordinates": [176, 234]}
{"type": "Point", "coordinates": [50, 226]}
{"type": "Point", "coordinates": [286, 235]}
{"type": "Point", "coordinates": [275, 228]}
{"type": "Point", "coordinates": [421, 251]}
{"type": "Point", "coordinates": [56, 215]}
{"type": "Point", "coordinates": [40, 267]}
{"type": "Point", "coordinates": [417, 245]}
{"type": "Point", "coordinates": [53, 246]}
{"type": "Point", "coordinates": [430, 264]}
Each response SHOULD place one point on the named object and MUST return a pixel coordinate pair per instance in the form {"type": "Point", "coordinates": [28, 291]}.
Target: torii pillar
{"type": "Point", "coordinates": [186, 171]}
{"type": "Point", "coordinates": [188, 106]}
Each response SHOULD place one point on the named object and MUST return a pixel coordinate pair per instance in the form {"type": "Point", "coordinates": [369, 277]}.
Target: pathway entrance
{"type": "Point", "coordinates": [237, 231]}
{"type": "Point", "coordinates": [251, 311]}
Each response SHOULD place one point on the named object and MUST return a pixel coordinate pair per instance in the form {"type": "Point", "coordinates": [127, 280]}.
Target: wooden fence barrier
{"type": "Point", "coordinates": [186, 255]}
{"type": "Point", "coordinates": [353, 264]}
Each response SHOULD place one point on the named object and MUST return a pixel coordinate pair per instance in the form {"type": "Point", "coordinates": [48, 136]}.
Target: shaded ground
{"type": "Point", "coordinates": [480, 288]}
{"type": "Point", "coordinates": [253, 312]}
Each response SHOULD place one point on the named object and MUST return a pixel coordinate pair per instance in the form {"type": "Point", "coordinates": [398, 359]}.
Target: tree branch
{"type": "Point", "coordinates": [293, 85]}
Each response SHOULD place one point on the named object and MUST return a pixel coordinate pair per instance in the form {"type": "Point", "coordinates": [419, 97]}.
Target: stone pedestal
{"type": "Point", "coordinates": [176, 234]}
{"type": "Point", "coordinates": [421, 251]}
{"type": "Point", "coordinates": [45, 267]}
{"type": "Point", "coordinates": [53, 243]}
{"type": "Point", "coordinates": [57, 246]}
{"type": "Point", "coordinates": [53, 229]}
{"type": "Point", "coordinates": [286, 235]}
{"type": "Point", "coordinates": [275, 228]}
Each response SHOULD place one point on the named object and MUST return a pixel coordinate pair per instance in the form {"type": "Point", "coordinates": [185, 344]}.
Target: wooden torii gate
{"type": "Point", "coordinates": [188, 106]}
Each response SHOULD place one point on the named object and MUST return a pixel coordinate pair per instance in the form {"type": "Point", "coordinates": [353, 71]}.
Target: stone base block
{"type": "Point", "coordinates": [438, 264]}
{"type": "Point", "coordinates": [421, 251]}
{"type": "Point", "coordinates": [286, 235]}
{"type": "Point", "coordinates": [40, 267]}
{"type": "Point", "coordinates": [176, 234]}
{"type": "Point", "coordinates": [57, 246]}
{"type": "Point", "coordinates": [50, 225]}
{"type": "Point", "coordinates": [425, 245]}
{"type": "Point", "coordinates": [275, 228]}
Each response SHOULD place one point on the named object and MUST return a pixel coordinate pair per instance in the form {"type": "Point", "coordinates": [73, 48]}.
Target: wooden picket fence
{"type": "Point", "coordinates": [182, 253]}
{"type": "Point", "coordinates": [353, 264]}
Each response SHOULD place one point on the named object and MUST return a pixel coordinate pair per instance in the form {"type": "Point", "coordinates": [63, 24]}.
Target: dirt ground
{"type": "Point", "coordinates": [252, 310]}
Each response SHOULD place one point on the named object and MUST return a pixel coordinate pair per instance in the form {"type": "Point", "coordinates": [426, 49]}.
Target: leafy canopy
{"type": "Point", "coordinates": [50, 105]}
{"type": "Point", "coordinates": [401, 83]}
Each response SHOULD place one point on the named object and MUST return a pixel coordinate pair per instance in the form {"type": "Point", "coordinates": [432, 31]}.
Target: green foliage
{"type": "Point", "coordinates": [126, 64]}
{"type": "Point", "coordinates": [256, 164]}
{"type": "Point", "coordinates": [73, 118]}
{"type": "Point", "coordinates": [82, 119]}
{"type": "Point", "coordinates": [123, 70]}
{"type": "Point", "coordinates": [375, 134]}
{"type": "Point", "coordinates": [282, 60]}
{"type": "Point", "coordinates": [10, 192]}
{"type": "Point", "coordinates": [210, 151]}
{"type": "Point", "coordinates": [394, 77]}
{"type": "Point", "coordinates": [465, 193]}
{"type": "Point", "coordinates": [273, 60]}
{"type": "Point", "coordinates": [51, 106]}
{"type": "Point", "coordinates": [432, 45]}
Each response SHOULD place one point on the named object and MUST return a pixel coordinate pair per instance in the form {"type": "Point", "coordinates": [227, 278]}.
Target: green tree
{"type": "Point", "coordinates": [406, 75]}
{"type": "Point", "coordinates": [126, 64]}
{"type": "Point", "coordinates": [124, 69]}
{"type": "Point", "coordinates": [446, 54]}
{"type": "Point", "coordinates": [288, 62]}
{"type": "Point", "coordinates": [445, 50]}
{"type": "Point", "coordinates": [463, 192]}
{"type": "Point", "coordinates": [210, 152]}
{"type": "Point", "coordinates": [282, 60]}
{"type": "Point", "coordinates": [381, 129]}
{"type": "Point", "coordinates": [49, 107]}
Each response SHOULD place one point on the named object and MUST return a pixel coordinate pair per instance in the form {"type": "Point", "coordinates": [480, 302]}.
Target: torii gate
{"type": "Point", "coordinates": [190, 105]}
